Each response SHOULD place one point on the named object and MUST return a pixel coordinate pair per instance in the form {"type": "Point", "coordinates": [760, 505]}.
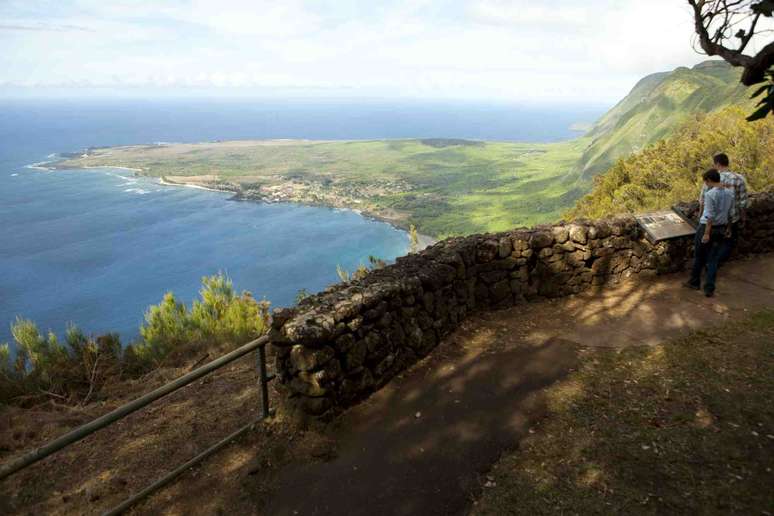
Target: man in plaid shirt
{"type": "Point", "coordinates": [738, 215]}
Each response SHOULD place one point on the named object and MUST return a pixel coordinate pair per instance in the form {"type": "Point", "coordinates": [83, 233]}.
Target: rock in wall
{"type": "Point", "coordinates": [338, 346]}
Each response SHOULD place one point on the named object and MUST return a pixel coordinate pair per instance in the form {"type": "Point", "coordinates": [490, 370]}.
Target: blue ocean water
{"type": "Point", "coordinates": [97, 247]}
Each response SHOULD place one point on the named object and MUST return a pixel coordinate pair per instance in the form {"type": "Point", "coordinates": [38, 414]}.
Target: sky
{"type": "Point", "coordinates": [510, 50]}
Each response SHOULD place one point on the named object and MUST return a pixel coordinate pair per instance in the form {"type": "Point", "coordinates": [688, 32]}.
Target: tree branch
{"type": "Point", "coordinates": [755, 70]}
{"type": "Point", "coordinates": [709, 46]}
{"type": "Point", "coordinates": [747, 37]}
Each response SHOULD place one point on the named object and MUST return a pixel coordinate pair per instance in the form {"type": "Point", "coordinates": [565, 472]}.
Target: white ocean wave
{"type": "Point", "coordinates": [38, 166]}
{"type": "Point", "coordinates": [138, 191]}
{"type": "Point", "coordinates": [14, 175]}
{"type": "Point", "coordinates": [119, 176]}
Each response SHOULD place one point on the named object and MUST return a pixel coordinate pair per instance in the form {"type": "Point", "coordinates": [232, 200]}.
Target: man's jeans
{"type": "Point", "coordinates": [707, 255]}
{"type": "Point", "coordinates": [730, 244]}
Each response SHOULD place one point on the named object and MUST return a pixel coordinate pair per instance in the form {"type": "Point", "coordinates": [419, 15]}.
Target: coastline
{"type": "Point", "coordinates": [166, 182]}
{"type": "Point", "coordinates": [40, 165]}
{"type": "Point", "coordinates": [91, 167]}
{"type": "Point", "coordinates": [405, 182]}
{"type": "Point", "coordinates": [238, 194]}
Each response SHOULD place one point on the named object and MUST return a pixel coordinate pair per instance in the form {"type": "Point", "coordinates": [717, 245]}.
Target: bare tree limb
{"type": "Point", "coordinates": [91, 380]}
{"type": "Point", "coordinates": [713, 44]}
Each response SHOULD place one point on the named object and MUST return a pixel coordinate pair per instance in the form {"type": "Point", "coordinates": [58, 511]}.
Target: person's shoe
{"type": "Point", "coordinates": [690, 285]}
{"type": "Point", "coordinates": [709, 293]}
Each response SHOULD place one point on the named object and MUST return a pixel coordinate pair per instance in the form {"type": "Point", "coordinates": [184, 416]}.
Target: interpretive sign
{"type": "Point", "coordinates": [664, 225]}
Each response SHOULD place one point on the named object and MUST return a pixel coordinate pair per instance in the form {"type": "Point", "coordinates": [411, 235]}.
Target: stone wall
{"type": "Point", "coordinates": [338, 346]}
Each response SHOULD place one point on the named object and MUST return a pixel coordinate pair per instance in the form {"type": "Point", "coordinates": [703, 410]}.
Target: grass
{"type": "Point", "coordinates": [444, 187]}
{"type": "Point", "coordinates": [686, 427]}
{"type": "Point", "coordinates": [656, 107]}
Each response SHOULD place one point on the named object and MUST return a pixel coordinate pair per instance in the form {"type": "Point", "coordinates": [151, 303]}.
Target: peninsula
{"type": "Point", "coordinates": [443, 186]}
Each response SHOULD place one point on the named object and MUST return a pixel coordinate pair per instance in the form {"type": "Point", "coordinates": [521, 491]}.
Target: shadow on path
{"type": "Point", "coordinates": [419, 445]}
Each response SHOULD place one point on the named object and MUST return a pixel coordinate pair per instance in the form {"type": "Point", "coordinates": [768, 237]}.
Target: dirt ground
{"type": "Point", "coordinates": [100, 471]}
{"type": "Point", "coordinates": [681, 427]}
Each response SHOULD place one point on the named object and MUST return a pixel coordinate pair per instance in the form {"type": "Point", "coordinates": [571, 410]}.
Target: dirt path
{"type": "Point", "coordinates": [422, 444]}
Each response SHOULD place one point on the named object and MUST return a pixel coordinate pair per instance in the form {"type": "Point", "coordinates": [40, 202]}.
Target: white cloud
{"type": "Point", "coordinates": [524, 12]}
{"type": "Point", "coordinates": [569, 50]}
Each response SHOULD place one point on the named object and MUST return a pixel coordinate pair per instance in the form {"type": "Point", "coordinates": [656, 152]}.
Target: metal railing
{"type": "Point", "coordinates": [121, 412]}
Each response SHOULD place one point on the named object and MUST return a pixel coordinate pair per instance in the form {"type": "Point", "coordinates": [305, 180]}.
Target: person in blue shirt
{"type": "Point", "coordinates": [738, 215]}
{"type": "Point", "coordinates": [711, 233]}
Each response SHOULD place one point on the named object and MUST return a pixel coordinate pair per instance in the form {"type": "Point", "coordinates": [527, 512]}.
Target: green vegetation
{"type": "Point", "coordinates": [79, 367]}
{"type": "Point", "coordinates": [413, 239]}
{"type": "Point", "coordinates": [303, 293]}
{"type": "Point", "coordinates": [46, 367]}
{"type": "Point", "coordinates": [445, 187]}
{"type": "Point", "coordinates": [362, 270]}
{"type": "Point", "coordinates": [656, 107]}
{"type": "Point", "coordinates": [727, 29]}
{"type": "Point", "coordinates": [764, 96]}
{"type": "Point", "coordinates": [670, 170]}
{"type": "Point", "coordinates": [220, 316]}
{"type": "Point", "coordinates": [681, 428]}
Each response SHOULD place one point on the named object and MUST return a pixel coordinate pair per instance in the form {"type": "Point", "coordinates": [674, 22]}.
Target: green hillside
{"type": "Point", "coordinates": [669, 170]}
{"type": "Point", "coordinates": [655, 107]}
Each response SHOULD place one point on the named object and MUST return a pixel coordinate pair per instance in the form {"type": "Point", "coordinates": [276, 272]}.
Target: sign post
{"type": "Point", "coordinates": [664, 225]}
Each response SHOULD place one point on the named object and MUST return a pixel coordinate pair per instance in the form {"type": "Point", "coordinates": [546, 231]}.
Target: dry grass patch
{"type": "Point", "coordinates": [686, 427]}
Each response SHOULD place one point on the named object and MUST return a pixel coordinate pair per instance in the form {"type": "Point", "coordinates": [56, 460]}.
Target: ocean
{"type": "Point", "coordinates": [97, 247]}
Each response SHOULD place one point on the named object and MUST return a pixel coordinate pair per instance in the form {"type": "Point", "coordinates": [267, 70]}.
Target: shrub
{"type": "Point", "coordinates": [301, 295]}
{"type": "Point", "coordinates": [362, 270]}
{"type": "Point", "coordinates": [223, 316]}
{"type": "Point", "coordinates": [342, 273]}
{"type": "Point", "coordinates": [413, 239]}
{"type": "Point", "coordinates": [81, 365]}
{"type": "Point", "coordinates": [167, 327]}
{"type": "Point", "coordinates": [44, 366]}
{"type": "Point", "coordinates": [9, 380]}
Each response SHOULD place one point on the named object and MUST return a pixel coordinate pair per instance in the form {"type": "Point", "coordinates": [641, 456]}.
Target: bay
{"type": "Point", "coordinates": [97, 247]}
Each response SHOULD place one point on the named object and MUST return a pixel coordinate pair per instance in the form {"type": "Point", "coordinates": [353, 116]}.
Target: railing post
{"type": "Point", "coordinates": [264, 379]}
{"type": "Point", "coordinates": [82, 431]}
{"type": "Point", "coordinates": [79, 433]}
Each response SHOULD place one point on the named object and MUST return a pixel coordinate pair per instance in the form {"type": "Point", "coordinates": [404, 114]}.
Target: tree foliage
{"type": "Point", "coordinates": [44, 366]}
{"type": "Point", "coordinates": [670, 170]}
{"type": "Point", "coordinates": [167, 327]}
{"type": "Point", "coordinates": [220, 316]}
{"type": "Point", "coordinates": [374, 262]}
{"type": "Point", "coordinates": [413, 239]}
{"type": "Point", "coordinates": [79, 367]}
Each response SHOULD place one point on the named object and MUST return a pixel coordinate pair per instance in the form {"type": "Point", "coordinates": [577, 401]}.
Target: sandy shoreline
{"type": "Point", "coordinates": [41, 166]}
{"type": "Point", "coordinates": [167, 182]}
